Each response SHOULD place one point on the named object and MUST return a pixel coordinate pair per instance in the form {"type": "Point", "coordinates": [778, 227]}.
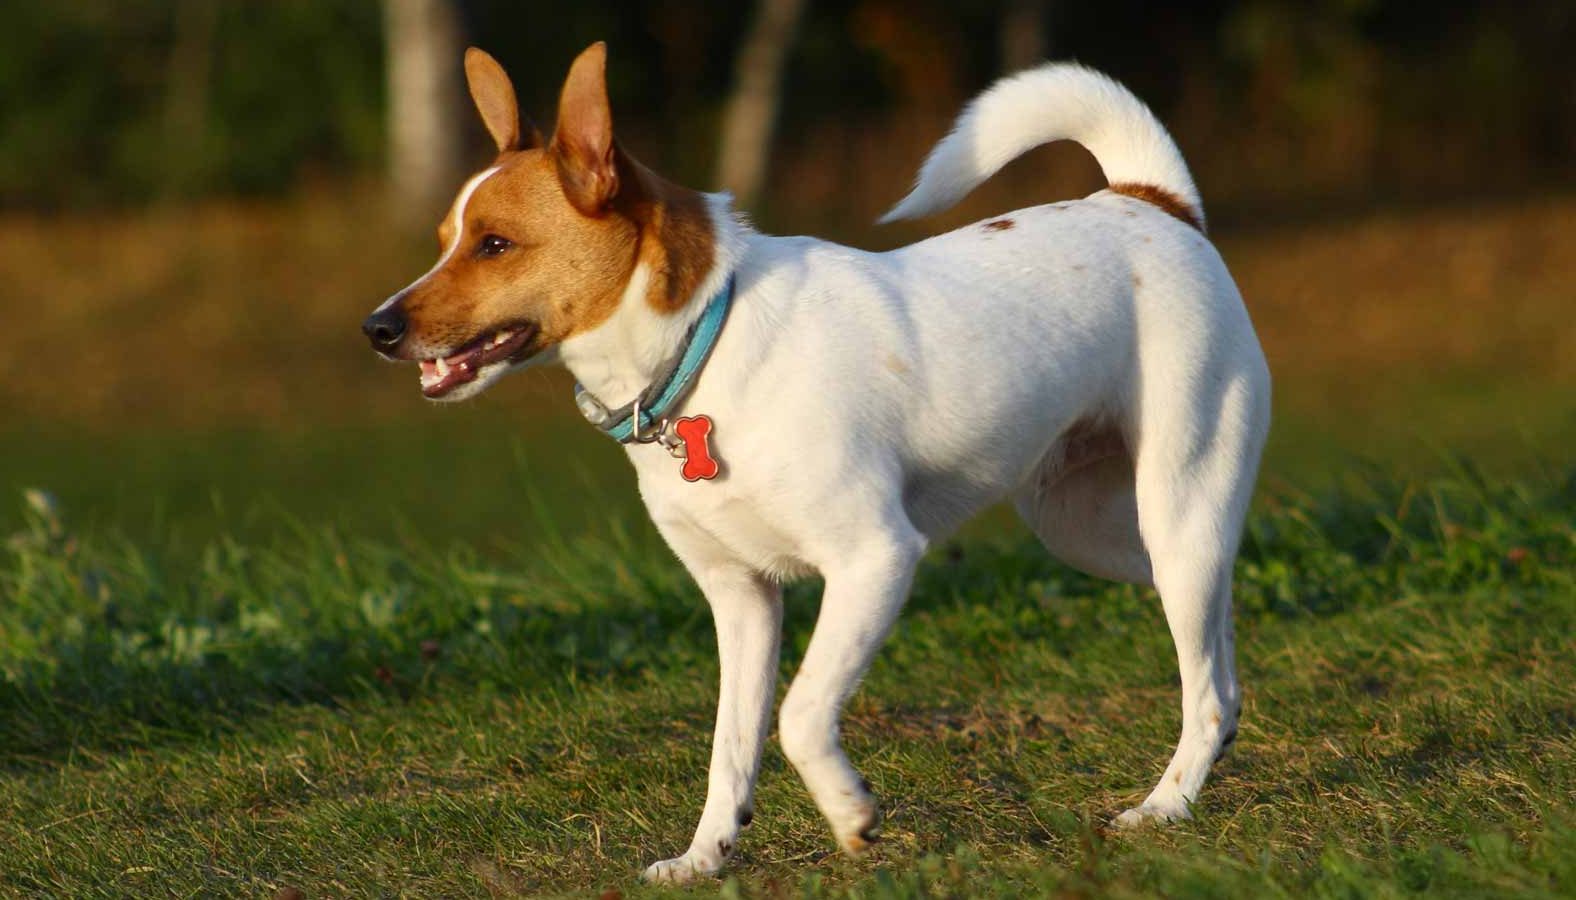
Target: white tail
{"type": "Point", "coordinates": [1054, 102]}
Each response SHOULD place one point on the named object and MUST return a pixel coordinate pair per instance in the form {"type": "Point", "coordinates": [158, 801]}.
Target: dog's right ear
{"type": "Point", "coordinates": [583, 141]}
{"type": "Point", "coordinates": [495, 100]}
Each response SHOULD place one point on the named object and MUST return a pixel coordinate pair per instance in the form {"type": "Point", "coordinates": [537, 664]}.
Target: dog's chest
{"type": "Point", "coordinates": [727, 519]}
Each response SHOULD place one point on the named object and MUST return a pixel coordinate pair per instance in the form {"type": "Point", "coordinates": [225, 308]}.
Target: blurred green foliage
{"type": "Point", "coordinates": [115, 102]}
{"type": "Point", "coordinates": [90, 97]}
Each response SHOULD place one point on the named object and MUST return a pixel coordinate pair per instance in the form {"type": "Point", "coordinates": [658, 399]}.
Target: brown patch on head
{"type": "Point", "coordinates": [562, 272]}
{"type": "Point", "coordinates": [1168, 202]}
{"type": "Point", "coordinates": [576, 216]}
{"type": "Point", "coordinates": [999, 225]}
{"type": "Point", "coordinates": [679, 245]}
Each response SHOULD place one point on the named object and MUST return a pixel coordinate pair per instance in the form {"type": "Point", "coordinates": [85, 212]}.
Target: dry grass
{"type": "Point", "coordinates": [215, 315]}
{"type": "Point", "coordinates": [1413, 295]}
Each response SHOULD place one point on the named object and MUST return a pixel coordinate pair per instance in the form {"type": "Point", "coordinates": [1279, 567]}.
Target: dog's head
{"type": "Point", "coordinates": [540, 246]}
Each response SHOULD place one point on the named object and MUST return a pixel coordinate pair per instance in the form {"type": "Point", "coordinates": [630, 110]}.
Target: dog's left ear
{"type": "Point", "coordinates": [583, 140]}
{"type": "Point", "coordinates": [494, 96]}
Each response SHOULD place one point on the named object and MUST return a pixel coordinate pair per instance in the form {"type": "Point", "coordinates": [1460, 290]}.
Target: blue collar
{"type": "Point", "coordinates": [673, 381]}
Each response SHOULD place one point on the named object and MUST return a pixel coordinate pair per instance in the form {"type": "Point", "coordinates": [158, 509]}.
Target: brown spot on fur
{"type": "Point", "coordinates": [1137, 282]}
{"type": "Point", "coordinates": [1214, 719]}
{"type": "Point", "coordinates": [678, 243]}
{"type": "Point", "coordinates": [565, 273]}
{"type": "Point", "coordinates": [1168, 202]}
{"type": "Point", "coordinates": [999, 225]}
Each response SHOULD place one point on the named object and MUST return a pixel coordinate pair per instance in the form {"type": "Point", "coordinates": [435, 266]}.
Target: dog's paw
{"type": "Point", "coordinates": [682, 869]}
{"type": "Point", "coordinates": [1152, 813]}
{"type": "Point", "coordinates": [857, 841]}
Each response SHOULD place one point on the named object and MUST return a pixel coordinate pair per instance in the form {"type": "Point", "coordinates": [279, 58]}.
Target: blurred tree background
{"type": "Point", "coordinates": [1329, 101]}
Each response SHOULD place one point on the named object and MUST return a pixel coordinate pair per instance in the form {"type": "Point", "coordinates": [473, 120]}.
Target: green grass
{"type": "Point", "coordinates": [442, 474]}
{"type": "Point", "coordinates": [397, 715]}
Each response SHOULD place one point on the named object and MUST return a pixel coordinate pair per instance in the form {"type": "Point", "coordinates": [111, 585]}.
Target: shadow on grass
{"type": "Point", "coordinates": [104, 648]}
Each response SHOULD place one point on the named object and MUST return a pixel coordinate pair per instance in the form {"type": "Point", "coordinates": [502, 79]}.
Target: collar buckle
{"type": "Point", "coordinates": [595, 411]}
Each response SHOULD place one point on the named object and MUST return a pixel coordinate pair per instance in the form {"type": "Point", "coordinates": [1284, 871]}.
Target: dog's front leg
{"type": "Point", "coordinates": [748, 613]}
{"type": "Point", "coordinates": [864, 594]}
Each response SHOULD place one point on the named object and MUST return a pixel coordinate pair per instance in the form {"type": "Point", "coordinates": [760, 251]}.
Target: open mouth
{"type": "Point", "coordinates": [441, 375]}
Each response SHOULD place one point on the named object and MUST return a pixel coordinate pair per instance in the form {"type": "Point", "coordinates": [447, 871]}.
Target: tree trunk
{"type": "Point", "coordinates": [1022, 35]}
{"type": "Point", "coordinates": [188, 75]}
{"type": "Point", "coordinates": [425, 96]}
{"type": "Point", "coordinates": [751, 113]}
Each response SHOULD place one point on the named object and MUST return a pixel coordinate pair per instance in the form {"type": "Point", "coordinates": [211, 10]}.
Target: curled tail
{"type": "Point", "coordinates": [1056, 101]}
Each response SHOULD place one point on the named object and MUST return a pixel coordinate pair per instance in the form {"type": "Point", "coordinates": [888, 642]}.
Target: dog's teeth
{"type": "Point", "coordinates": [443, 367]}
{"type": "Point", "coordinates": [500, 337]}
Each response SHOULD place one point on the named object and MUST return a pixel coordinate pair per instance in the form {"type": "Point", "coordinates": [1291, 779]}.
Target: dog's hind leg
{"type": "Point", "coordinates": [1196, 465]}
{"type": "Point", "coordinates": [865, 590]}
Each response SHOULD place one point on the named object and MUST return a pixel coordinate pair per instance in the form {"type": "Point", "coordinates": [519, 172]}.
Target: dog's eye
{"type": "Point", "coordinates": [493, 245]}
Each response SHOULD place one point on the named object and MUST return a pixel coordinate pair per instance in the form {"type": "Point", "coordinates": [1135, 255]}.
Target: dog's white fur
{"type": "Point", "coordinates": [1092, 361]}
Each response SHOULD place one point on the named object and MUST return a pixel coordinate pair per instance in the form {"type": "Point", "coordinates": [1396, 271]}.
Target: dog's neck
{"type": "Point", "coordinates": [617, 360]}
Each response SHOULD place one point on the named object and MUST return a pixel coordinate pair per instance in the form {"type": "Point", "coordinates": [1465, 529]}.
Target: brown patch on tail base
{"type": "Point", "coordinates": [1168, 202]}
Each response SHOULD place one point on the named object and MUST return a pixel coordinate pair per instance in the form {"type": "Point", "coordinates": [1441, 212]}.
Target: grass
{"type": "Point", "coordinates": [350, 716]}
{"type": "Point", "coordinates": [465, 478]}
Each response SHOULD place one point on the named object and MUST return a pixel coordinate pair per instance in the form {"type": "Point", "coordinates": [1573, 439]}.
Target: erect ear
{"type": "Point", "coordinates": [583, 139]}
{"type": "Point", "coordinates": [494, 96]}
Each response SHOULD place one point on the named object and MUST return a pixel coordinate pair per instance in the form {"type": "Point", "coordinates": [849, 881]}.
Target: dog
{"type": "Point", "coordinates": [792, 406]}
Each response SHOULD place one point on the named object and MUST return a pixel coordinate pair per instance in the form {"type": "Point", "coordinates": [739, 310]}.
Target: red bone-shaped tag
{"type": "Point", "coordinates": [698, 461]}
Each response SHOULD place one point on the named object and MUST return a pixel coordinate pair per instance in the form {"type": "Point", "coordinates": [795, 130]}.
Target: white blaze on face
{"type": "Point", "coordinates": [456, 220]}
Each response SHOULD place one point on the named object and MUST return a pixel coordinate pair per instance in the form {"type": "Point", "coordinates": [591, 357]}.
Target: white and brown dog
{"type": "Point", "coordinates": [837, 411]}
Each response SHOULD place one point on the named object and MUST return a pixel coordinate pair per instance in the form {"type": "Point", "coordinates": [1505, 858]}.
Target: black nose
{"type": "Point", "coordinates": [384, 328]}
